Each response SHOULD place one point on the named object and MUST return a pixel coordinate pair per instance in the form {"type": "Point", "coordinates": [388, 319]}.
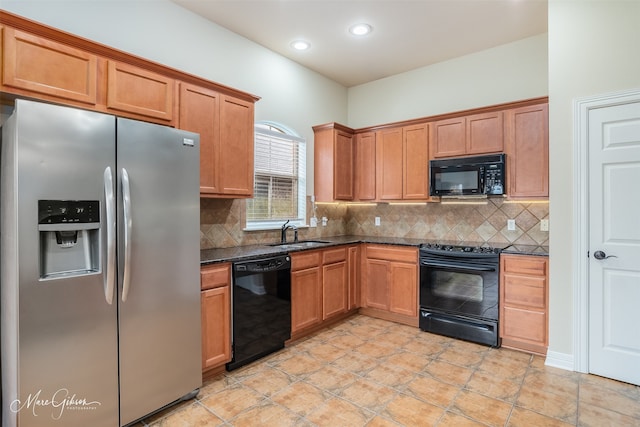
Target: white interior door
{"type": "Point", "coordinates": [614, 241]}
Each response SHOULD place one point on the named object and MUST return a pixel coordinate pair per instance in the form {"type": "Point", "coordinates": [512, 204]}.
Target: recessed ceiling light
{"type": "Point", "coordinates": [300, 45]}
{"type": "Point", "coordinates": [360, 29]}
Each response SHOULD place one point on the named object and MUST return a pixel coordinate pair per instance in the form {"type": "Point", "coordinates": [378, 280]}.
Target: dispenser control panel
{"type": "Point", "coordinates": [68, 211]}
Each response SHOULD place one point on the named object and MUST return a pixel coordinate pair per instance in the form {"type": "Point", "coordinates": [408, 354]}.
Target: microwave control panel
{"type": "Point", "coordinates": [493, 180]}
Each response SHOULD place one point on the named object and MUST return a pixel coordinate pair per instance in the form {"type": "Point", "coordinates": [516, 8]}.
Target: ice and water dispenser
{"type": "Point", "coordinates": [69, 238]}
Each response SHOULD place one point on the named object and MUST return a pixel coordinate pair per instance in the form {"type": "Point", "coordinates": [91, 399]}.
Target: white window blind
{"type": "Point", "coordinates": [279, 181]}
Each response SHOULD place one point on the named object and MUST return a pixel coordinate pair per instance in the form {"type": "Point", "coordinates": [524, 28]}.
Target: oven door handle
{"type": "Point", "coordinates": [458, 266]}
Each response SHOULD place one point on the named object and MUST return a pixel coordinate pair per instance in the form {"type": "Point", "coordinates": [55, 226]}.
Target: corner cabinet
{"type": "Point", "coordinates": [524, 300]}
{"type": "Point", "coordinates": [215, 283]}
{"type": "Point", "coordinates": [324, 287]}
{"type": "Point", "coordinates": [527, 149]}
{"type": "Point", "coordinates": [333, 162]}
{"type": "Point", "coordinates": [225, 125]}
{"type": "Point", "coordinates": [390, 283]}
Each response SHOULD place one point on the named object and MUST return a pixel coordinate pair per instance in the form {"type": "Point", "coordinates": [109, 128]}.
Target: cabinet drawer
{"type": "Point", "coordinates": [300, 261]}
{"type": "Point", "coordinates": [392, 253]}
{"type": "Point", "coordinates": [331, 256]}
{"type": "Point", "coordinates": [536, 266]}
{"type": "Point", "coordinates": [215, 276]}
{"type": "Point", "coordinates": [526, 325]}
{"type": "Point", "coordinates": [522, 290]}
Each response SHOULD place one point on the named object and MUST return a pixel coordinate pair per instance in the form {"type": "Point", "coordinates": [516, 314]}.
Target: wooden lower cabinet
{"type": "Point", "coordinates": [390, 282]}
{"type": "Point", "coordinates": [215, 282]}
{"type": "Point", "coordinates": [323, 286]}
{"type": "Point", "coordinates": [524, 298]}
{"type": "Point", "coordinates": [306, 299]}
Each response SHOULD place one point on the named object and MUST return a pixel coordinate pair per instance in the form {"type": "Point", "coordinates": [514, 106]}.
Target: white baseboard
{"type": "Point", "coordinates": [559, 360]}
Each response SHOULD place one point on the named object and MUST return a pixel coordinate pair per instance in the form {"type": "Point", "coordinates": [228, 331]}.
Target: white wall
{"type": "Point", "coordinates": [505, 73]}
{"type": "Point", "coordinates": [164, 32]}
{"type": "Point", "coordinates": [593, 49]}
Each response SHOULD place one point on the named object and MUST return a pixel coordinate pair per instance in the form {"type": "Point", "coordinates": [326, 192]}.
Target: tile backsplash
{"type": "Point", "coordinates": [222, 222]}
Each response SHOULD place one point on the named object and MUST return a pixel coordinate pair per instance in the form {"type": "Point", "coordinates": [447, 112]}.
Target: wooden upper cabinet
{"type": "Point", "coordinates": [468, 135]}
{"type": "Point", "coordinates": [449, 138]}
{"type": "Point", "coordinates": [225, 125]}
{"type": "Point", "coordinates": [485, 133]}
{"type": "Point", "coordinates": [527, 149]}
{"type": "Point", "coordinates": [333, 162]}
{"type": "Point", "coordinates": [36, 66]}
{"type": "Point", "coordinates": [389, 164]}
{"type": "Point", "coordinates": [139, 92]}
{"type": "Point", "coordinates": [200, 113]}
{"type": "Point", "coordinates": [365, 166]}
{"type": "Point", "coordinates": [415, 151]}
{"type": "Point", "coordinates": [236, 147]}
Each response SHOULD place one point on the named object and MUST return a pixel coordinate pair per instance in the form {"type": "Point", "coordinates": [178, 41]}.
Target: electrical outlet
{"type": "Point", "coordinates": [544, 225]}
{"type": "Point", "coordinates": [313, 222]}
{"type": "Point", "coordinates": [324, 221]}
{"type": "Point", "coordinates": [377, 221]}
{"type": "Point", "coordinates": [511, 224]}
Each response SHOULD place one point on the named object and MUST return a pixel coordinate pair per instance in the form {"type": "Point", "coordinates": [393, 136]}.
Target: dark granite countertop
{"type": "Point", "coordinates": [243, 253]}
{"type": "Point", "coordinates": [527, 250]}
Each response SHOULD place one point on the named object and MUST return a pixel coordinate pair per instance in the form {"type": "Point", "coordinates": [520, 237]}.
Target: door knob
{"type": "Point", "coordinates": [599, 255]}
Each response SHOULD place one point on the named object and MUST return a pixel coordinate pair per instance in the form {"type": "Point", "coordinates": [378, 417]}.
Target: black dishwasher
{"type": "Point", "coordinates": [261, 300]}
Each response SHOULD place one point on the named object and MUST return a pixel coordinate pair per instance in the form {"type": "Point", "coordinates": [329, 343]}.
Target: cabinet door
{"type": "Point", "coordinates": [449, 138]}
{"type": "Point", "coordinates": [403, 289]}
{"type": "Point", "coordinates": [365, 166]}
{"type": "Point", "coordinates": [335, 290]}
{"type": "Point", "coordinates": [416, 162]}
{"type": "Point", "coordinates": [200, 113]}
{"type": "Point", "coordinates": [343, 166]}
{"type": "Point", "coordinates": [527, 151]}
{"type": "Point", "coordinates": [306, 298]}
{"type": "Point", "coordinates": [389, 161]}
{"type": "Point", "coordinates": [140, 92]}
{"type": "Point", "coordinates": [216, 326]}
{"type": "Point", "coordinates": [236, 147]}
{"type": "Point", "coordinates": [35, 64]}
{"type": "Point", "coordinates": [485, 133]}
{"type": "Point", "coordinates": [376, 284]}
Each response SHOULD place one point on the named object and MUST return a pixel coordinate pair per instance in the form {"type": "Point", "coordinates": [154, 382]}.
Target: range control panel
{"type": "Point", "coordinates": [68, 211]}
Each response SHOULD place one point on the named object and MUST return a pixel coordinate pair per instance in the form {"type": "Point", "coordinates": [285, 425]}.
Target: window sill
{"type": "Point", "coordinates": [271, 228]}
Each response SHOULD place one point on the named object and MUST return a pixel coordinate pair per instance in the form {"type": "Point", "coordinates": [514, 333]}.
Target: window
{"type": "Point", "coordinates": [279, 192]}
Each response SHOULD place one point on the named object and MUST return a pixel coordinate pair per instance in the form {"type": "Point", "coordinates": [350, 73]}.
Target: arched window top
{"type": "Point", "coordinates": [276, 127]}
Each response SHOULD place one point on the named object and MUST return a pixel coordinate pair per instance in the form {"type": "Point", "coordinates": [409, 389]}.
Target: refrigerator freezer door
{"type": "Point", "coordinates": [58, 328]}
{"type": "Point", "coordinates": [159, 319]}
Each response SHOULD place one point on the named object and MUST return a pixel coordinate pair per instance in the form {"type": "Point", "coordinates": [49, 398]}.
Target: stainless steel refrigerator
{"type": "Point", "coordinates": [100, 267]}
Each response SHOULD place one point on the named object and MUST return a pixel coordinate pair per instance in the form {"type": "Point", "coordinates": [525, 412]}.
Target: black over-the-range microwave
{"type": "Point", "coordinates": [468, 176]}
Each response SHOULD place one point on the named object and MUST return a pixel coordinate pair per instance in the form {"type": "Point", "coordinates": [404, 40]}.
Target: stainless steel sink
{"type": "Point", "coordinates": [301, 244]}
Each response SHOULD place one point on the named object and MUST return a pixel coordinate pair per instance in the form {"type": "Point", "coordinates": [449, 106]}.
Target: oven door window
{"type": "Point", "coordinates": [460, 291]}
{"type": "Point", "coordinates": [460, 286]}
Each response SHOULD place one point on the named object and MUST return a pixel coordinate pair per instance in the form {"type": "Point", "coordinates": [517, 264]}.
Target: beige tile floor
{"type": "Point", "coordinates": [370, 372]}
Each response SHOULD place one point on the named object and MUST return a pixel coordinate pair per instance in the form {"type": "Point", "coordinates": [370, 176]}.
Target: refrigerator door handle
{"type": "Point", "coordinates": [126, 206]}
{"type": "Point", "coordinates": [109, 278]}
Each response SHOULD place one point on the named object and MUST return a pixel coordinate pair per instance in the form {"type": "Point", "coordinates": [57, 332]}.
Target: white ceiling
{"type": "Point", "coordinates": [407, 34]}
